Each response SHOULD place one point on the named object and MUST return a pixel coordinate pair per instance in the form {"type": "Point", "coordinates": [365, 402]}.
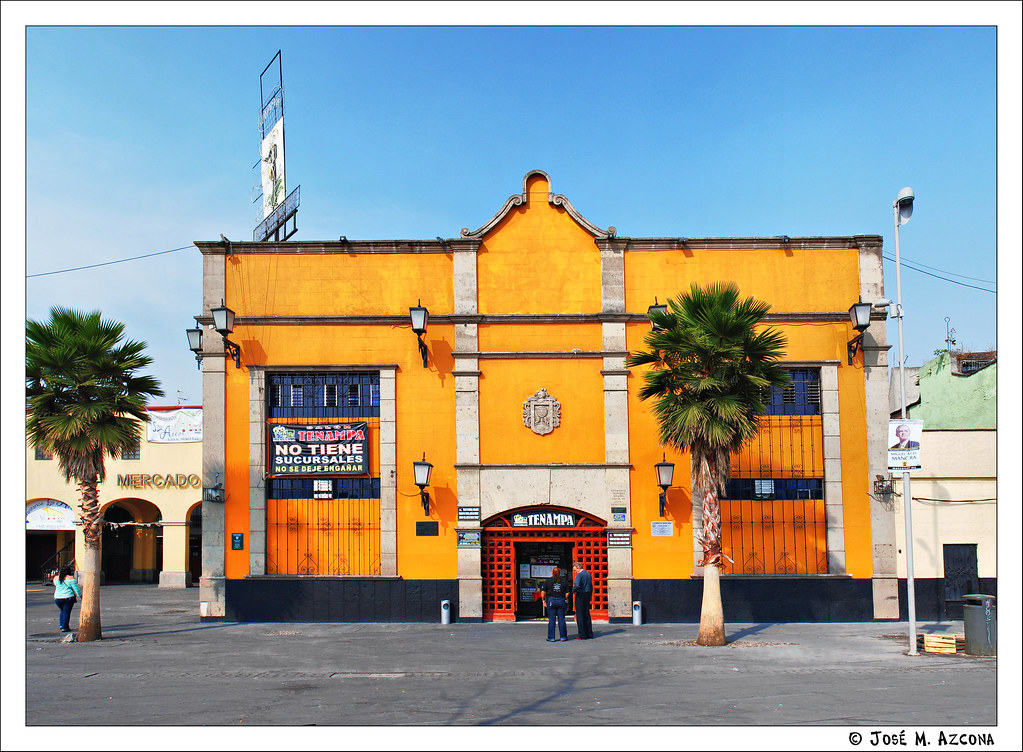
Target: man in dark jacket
{"type": "Point", "coordinates": [582, 591]}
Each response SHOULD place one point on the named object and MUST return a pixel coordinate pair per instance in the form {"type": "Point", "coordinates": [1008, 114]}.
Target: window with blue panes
{"type": "Point", "coordinates": [801, 397]}
{"type": "Point", "coordinates": [323, 395]}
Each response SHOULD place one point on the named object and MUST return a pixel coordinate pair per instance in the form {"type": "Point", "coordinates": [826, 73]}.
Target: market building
{"type": "Point", "coordinates": [150, 502]}
{"type": "Point", "coordinates": [327, 395]}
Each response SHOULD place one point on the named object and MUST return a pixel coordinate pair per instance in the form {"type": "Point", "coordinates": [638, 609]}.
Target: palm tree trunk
{"type": "Point", "coordinates": [712, 617]}
{"type": "Point", "coordinates": [89, 625]}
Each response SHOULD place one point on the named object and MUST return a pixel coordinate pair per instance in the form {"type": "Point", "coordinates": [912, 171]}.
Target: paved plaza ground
{"type": "Point", "coordinates": [159, 665]}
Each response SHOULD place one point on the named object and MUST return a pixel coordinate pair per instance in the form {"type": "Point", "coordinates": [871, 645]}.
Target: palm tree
{"type": "Point", "coordinates": [85, 402]}
{"type": "Point", "coordinates": [709, 372]}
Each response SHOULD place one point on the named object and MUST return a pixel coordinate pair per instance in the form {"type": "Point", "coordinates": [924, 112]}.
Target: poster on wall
{"type": "Point", "coordinates": [325, 449]}
{"type": "Point", "coordinates": [174, 426]}
{"type": "Point", "coordinates": [904, 444]}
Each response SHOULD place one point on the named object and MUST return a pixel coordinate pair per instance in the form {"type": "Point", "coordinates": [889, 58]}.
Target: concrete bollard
{"type": "Point", "coordinates": [445, 612]}
{"type": "Point", "coordinates": [637, 613]}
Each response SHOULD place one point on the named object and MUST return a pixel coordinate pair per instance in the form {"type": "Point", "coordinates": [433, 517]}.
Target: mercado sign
{"type": "Point", "coordinates": [169, 480]}
{"type": "Point", "coordinates": [324, 449]}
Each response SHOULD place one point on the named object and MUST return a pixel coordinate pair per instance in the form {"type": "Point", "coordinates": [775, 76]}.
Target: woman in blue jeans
{"type": "Point", "coordinates": [65, 595]}
{"type": "Point", "coordinates": [555, 597]}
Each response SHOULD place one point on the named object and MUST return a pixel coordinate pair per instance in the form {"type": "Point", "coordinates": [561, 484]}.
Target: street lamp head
{"type": "Point", "coordinates": [223, 319]}
{"type": "Point", "coordinates": [859, 315]}
{"type": "Point", "coordinates": [904, 204]}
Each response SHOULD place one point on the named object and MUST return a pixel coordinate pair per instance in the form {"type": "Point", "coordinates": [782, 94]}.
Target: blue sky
{"type": "Point", "coordinates": [142, 139]}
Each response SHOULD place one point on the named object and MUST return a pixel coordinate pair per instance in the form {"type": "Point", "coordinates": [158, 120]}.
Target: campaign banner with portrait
{"type": "Point", "coordinates": [904, 444]}
{"type": "Point", "coordinates": [325, 449]}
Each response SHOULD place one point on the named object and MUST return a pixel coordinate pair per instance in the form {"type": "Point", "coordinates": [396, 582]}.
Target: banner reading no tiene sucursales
{"type": "Point", "coordinates": [326, 449]}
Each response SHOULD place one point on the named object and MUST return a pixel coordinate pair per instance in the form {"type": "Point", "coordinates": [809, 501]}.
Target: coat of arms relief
{"type": "Point", "coordinates": [541, 413]}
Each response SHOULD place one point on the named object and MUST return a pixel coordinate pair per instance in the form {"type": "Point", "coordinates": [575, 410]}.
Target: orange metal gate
{"type": "Point", "coordinates": [500, 578]}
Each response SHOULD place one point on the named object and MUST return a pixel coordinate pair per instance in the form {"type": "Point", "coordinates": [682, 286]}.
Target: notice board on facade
{"type": "Point", "coordinates": [324, 449]}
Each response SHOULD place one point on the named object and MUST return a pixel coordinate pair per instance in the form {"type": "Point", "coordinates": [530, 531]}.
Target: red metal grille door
{"type": "Point", "coordinates": [589, 545]}
{"type": "Point", "coordinates": [591, 550]}
{"type": "Point", "coordinates": [498, 577]}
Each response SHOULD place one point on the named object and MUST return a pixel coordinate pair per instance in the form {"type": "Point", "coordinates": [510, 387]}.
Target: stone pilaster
{"type": "Point", "coordinates": [257, 471]}
{"type": "Point", "coordinates": [212, 602]}
{"type": "Point", "coordinates": [388, 474]}
{"type": "Point", "coordinates": [876, 385]}
{"type": "Point", "coordinates": [834, 512]}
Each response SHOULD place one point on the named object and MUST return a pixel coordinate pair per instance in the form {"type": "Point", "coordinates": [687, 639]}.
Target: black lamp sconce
{"type": "Point", "coordinates": [660, 308]}
{"type": "Point", "coordinates": [859, 314]}
{"type": "Point", "coordinates": [665, 470]}
{"type": "Point", "coordinates": [420, 316]}
{"type": "Point", "coordinates": [223, 322]}
{"type": "Point", "coordinates": [195, 344]}
{"type": "Point", "coordinates": [421, 470]}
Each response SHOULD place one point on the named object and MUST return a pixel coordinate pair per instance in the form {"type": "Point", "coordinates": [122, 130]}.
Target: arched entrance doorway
{"type": "Point", "coordinates": [522, 545]}
{"type": "Point", "coordinates": [132, 541]}
{"type": "Point", "coordinates": [118, 544]}
{"type": "Point", "coordinates": [195, 543]}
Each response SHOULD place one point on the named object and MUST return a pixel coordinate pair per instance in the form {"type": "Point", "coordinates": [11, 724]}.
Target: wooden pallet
{"type": "Point", "coordinates": [948, 644]}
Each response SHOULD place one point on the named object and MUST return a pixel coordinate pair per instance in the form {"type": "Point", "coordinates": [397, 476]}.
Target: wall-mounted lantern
{"type": "Point", "coordinates": [223, 322]}
{"type": "Point", "coordinates": [665, 470]}
{"type": "Point", "coordinates": [859, 314]}
{"type": "Point", "coordinates": [195, 344]}
{"type": "Point", "coordinates": [420, 316]}
{"type": "Point", "coordinates": [421, 470]}
{"type": "Point", "coordinates": [659, 308]}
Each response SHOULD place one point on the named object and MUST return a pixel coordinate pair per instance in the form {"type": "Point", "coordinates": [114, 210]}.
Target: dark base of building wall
{"type": "Point", "coordinates": [793, 599]}
{"type": "Point", "coordinates": [752, 599]}
{"type": "Point", "coordinates": [930, 599]}
{"type": "Point", "coordinates": [339, 600]}
{"type": "Point", "coordinates": [759, 599]}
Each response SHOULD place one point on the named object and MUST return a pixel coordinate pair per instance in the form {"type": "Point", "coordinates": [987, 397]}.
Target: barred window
{"type": "Point", "coordinates": [133, 452]}
{"type": "Point", "coordinates": [775, 488]}
{"type": "Point", "coordinates": [323, 395]}
{"type": "Point", "coordinates": [801, 397]}
{"type": "Point", "coordinates": [340, 488]}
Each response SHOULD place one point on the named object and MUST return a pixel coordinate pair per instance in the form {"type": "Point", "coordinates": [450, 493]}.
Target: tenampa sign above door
{"type": "Point", "coordinates": [542, 518]}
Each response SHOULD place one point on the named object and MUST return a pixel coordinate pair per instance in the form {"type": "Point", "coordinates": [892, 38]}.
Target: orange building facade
{"type": "Point", "coordinates": [541, 451]}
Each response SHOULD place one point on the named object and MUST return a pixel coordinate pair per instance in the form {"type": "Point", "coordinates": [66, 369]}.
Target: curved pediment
{"type": "Point", "coordinates": [554, 199]}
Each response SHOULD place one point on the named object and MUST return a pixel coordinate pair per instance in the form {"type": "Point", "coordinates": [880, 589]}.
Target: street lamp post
{"type": "Point", "coordinates": [903, 210]}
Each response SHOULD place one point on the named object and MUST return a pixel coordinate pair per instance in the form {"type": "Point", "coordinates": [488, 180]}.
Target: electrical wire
{"type": "Point", "coordinates": [937, 276]}
{"type": "Point", "coordinates": [108, 263]}
{"type": "Point", "coordinates": [944, 271]}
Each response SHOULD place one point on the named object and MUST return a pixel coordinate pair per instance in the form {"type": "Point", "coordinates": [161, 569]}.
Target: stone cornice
{"type": "Point", "coordinates": [470, 241]}
{"type": "Point", "coordinates": [335, 247]}
{"type": "Point", "coordinates": [621, 243]}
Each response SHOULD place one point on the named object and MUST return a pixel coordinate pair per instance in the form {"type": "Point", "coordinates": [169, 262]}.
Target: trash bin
{"type": "Point", "coordinates": [445, 612]}
{"type": "Point", "coordinates": [637, 612]}
{"type": "Point", "coordinates": [980, 624]}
